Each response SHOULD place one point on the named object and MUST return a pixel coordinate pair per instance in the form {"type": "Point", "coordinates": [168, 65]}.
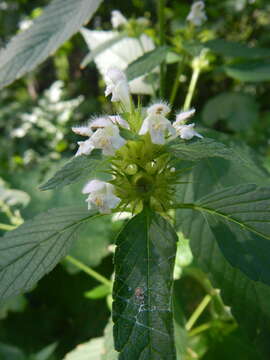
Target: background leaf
{"type": "Point", "coordinates": [253, 71]}
{"type": "Point", "coordinates": [147, 62]}
{"type": "Point", "coordinates": [80, 167]}
{"type": "Point", "coordinates": [236, 49]}
{"type": "Point", "coordinates": [142, 293]}
{"type": "Point", "coordinates": [240, 111]}
{"type": "Point", "coordinates": [59, 21]}
{"type": "Point", "coordinates": [34, 248]}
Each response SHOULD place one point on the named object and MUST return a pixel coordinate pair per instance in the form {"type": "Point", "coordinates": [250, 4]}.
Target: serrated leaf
{"type": "Point", "coordinates": [78, 168]}
{"type": "Point", "coordinates": [99, 49]}
{"type": "Point", "coordinates": [252, 72]}
{"type": "Point", "coordinates": [240, 220]}
{"type": "Point", "coordinates": [235, 49]}
{"type": "Point", "coordinates": [240, 111]}
{"type": "Point", "coordinates": [147, 62]}
{"type": "Point", "coordinates": [33, 249]}
{"type": "Point", "coordinates": [58, 22]}
{"type": "Point", "coordinates": [98, 292]}
{"type": "Point", "coordinates": [142, 293]}
{"type": "Point", "coordinates": [198, 149]}
{"type": "Point", "coordinates": [247, 298]}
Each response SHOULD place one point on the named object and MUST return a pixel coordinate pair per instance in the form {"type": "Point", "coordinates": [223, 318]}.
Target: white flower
{"type": "Point", "coordinates": [156, 123]}
{"type": "Point", "coordinates": [183, 116]}
{"type": "Point", "coordinates": [101, 195]}
{"type": "Point", "coordinates": [117, 19]}
{"type": "Point", "coordinates": [197, 14]}
{"type": "Point", "coordinates": [186, 131]}
{"type": "Point", "coordinates": [107, 139]}
{"type": "Point", "coordinates": [85, 147]}
{"type": "Point", "coordinates": [117, 85]}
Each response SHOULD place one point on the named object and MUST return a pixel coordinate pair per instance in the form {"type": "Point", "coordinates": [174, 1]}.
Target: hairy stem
{"type": "Point", "coordinates": [88, 270]}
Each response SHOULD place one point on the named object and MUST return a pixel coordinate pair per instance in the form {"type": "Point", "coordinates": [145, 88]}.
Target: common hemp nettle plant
{"type": "Point", "coordinates": [149, 162]}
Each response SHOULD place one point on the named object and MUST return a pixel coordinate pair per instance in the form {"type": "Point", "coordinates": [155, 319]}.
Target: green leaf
{"type": "Point", "coordinates": [147, 62]}
{"type": "Point", "coordinates": [79, 168]}
{"type": "Point", "coordinates": [58, 22]}
{"type": "Point", "coordinates": [35, 248]}
{"type": "Point", "coordinates": [108, 352]}
{"type": "Point", "coordinates": [239, 110]}
{"type": "Point", "coordinates": [98, 292]}
{"type": "Point", "coordinates": [142, 293]}
{"type": "Point", "coordinates": [99, 49]}
{"type": "Point", "coordinates": [253, 71]}
{"type": "Point", "coordinates": [235, 49]}
{"type": "Point", "coordinates": [240, 220]}
{"type": "Point", "coordinates": [198, 149]}
{"type": "Point", "coordinates": [8, 352]}
{"type": "Point", "coordinates": [45, 353]}
{"type": "Point", "coordinates": [90, 350]}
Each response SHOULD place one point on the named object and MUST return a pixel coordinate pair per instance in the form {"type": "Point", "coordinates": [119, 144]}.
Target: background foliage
{"type": "Point", "coordinates": [36, 113]}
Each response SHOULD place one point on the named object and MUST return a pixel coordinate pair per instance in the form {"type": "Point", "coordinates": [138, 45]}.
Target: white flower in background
{"type": "Point", "coordinates": [156, 123]}
{"type": "Point", "coordinates": [25, 24]}
{"type": "Point", "coordinates": [183, 116]}
{"type": "Point", "coordinates": [117, 86]}
{"type": "Point", "coordinates": [101, 195]}
{"type": "Point", "coordinates": [197, 14]}
{"type": "Point", "coordinates": [117, 19]}
{"type": "Point", "coordinates": [120, 54]}
{"type": "Point", "coordinates": [186, 132]}
{"type": "Point", "coordinates": [85, 147]}
{"type": "Point", "coordinates": [108, 139]}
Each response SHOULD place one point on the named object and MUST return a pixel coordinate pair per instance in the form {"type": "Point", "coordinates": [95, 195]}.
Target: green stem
{"type": "Point", "coordinates": [176, 82]}
{"type": "Point", "coordinates": [192, 87]}
{"type": "Point", "coordinates": [200, 329]}
{"type": "Point", "coordinates": [88, 270]}
{"type": "Point", "coordinates": [198, 311]}
{"type": "Point", "coordinates": [161, 21]}
{"type": "Point", "coordinates": [7, 227]}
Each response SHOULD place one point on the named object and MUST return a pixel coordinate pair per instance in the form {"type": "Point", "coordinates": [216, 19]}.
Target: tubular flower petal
{"type": "Point", "coordinates": [101, 195]}
{"type": "Point", "coordinates": [183, 116]}
{"type": "Point", "coordinates": [107, 139]}
{"type": "Point", "coordinates": [82, 130]}
{"type": "Point", "coordinates": [85, 147]}
{"type": "Point", "coordinates": [117, 86]}
{"type": "Point", "coordinates": [157, 124]}
{"type": "Point", "coordinates": [104, 121]}
{"type": "Point", "coordinates": [117, 19]}
{"type": "Point", "coordinates": [197, 14]}
{"type": "Point", "coordinates": [186, 131]}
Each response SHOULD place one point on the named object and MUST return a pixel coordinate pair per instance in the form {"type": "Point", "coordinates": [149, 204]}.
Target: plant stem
{"type": "Point", "coordinates": [192, 87]}
{"type": "Point", "coordinates": [176, 82]}
{"type": "Point", "coordinates": [198, 311]}
{"type": "Point", "coordinates": [88, 270]}
{"type": "Point", "coordinates": [7, 227]}
{"type": "Point", "coordinates": [161, 21]}
{"type": "Point", "coordinates": [200, 329]}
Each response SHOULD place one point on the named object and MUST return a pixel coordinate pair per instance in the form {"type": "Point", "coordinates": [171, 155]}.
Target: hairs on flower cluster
{"type": "Point", "coordinates": [154, 128]}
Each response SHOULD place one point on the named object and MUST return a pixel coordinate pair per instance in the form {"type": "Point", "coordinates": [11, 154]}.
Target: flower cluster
{"type": "Point", "coordinates": [141, 169]}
